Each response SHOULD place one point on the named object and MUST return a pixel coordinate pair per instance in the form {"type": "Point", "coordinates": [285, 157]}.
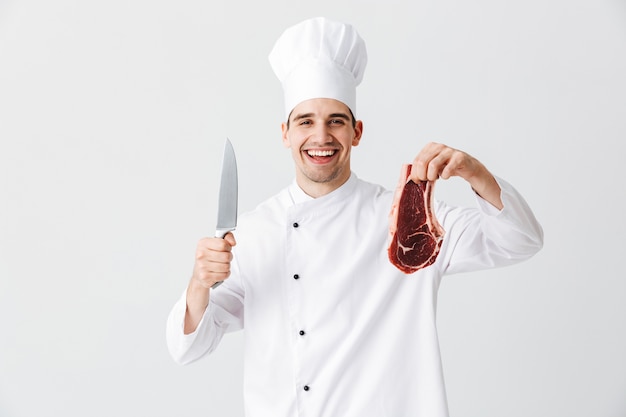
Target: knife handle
{"type": "Point", "coordinates": [222, 232]}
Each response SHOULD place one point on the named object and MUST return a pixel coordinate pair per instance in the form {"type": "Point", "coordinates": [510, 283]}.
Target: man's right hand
{"type": "Point", "coordinates": [213, 258]}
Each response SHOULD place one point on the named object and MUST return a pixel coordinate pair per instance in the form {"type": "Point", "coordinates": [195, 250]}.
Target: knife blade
{"type": "Point", "coordinates": [227, 203]}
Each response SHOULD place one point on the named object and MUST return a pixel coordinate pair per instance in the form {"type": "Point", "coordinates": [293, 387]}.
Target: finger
{"type": "Point", "coordinates": [456, 165]}
{"type": "Point", "coordinates": [209, 274]}
{"type": "Point", "coordinates": [418, 170]}
{"type": "Point", "coordinates": [437, 165]}
{"type": "Point", "coordinates": [448, 171]}
{"type": "Point", "coordinates": [421, 163]}
{"type": "Point", "coordinates": [209, 279]}
{"type": "Point", "coordinates": [209, 268]}
{"type": "Point", "coordinates": [215, 243]}
{"type": "Point", "coordinates": [208, 255]}
{"type": "Point", "coordinates": [230, 238]}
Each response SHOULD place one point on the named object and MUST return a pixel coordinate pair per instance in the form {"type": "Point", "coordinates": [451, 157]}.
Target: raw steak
{"type": "Point", "coordinates": [415, 234]}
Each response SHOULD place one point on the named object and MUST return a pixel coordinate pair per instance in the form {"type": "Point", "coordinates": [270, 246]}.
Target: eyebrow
{"type": "Point", "coordinates": [302, 116]}
{"type": "Point", "coordinates": [330, 116]}
{"type": "Point", "coordinates": [340, 116]}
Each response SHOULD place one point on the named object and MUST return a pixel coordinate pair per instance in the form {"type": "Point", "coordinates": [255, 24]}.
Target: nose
{"type": "Point", "coordinates": [321, 133]}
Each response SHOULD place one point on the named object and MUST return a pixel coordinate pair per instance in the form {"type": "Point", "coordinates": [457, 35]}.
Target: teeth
{"type": "Point", "coordinates": [320, 153]}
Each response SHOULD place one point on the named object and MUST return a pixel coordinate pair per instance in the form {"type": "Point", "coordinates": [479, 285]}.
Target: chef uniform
{"type": "Point", "coordinates": [332, 328]}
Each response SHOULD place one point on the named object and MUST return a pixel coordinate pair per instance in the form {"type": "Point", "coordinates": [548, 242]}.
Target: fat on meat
{"type": "Point", "coordinates": [415, 235]}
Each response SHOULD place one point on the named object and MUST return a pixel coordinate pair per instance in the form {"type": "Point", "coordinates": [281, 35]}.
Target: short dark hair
{"type": "Point", "coordinates": [352, 118]}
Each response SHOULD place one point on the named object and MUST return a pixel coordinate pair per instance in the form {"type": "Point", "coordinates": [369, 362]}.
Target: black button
{"type": "Point", "coordinates": [306, 388]}
{"type": "Point", "coordinates": [296, 225]}
{"type": "Point", "coordinates": [302, 332]}
{"type": "Point", "coordinates": [296, 276]}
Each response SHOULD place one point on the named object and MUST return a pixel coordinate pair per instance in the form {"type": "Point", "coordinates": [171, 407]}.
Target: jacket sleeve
{"type": "Point", "coordinates": [223, 314]}
{"type": "Point", "coordinates": [487, 237]}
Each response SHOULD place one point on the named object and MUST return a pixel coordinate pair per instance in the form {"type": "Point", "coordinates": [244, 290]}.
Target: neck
{"type": "Point", "coordinates": [319, 189]}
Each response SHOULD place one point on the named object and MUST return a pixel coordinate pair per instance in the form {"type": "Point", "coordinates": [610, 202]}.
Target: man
{"type": "Point", "coordinates": [332, 328]}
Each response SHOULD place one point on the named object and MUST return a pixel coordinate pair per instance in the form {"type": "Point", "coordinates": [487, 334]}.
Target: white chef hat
{"type": "Point", "coordinates": [319, 58]}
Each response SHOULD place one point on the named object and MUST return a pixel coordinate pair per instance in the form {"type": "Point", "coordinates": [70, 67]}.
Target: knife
{"type": "Point", "coordinates": [227, 204]}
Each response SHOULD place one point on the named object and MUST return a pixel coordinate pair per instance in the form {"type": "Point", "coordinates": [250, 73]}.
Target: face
{"type": "Point", "coordinates": [321, 136]}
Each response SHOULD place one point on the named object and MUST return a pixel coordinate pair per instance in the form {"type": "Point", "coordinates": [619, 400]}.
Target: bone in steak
{"type": "Point", "coordinates": [415, 234]}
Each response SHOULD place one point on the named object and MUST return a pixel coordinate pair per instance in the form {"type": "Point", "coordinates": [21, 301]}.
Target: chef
{"type": "Point", "coordinates": [332, 328]}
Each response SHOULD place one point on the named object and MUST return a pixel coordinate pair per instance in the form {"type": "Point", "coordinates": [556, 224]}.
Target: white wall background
{"type": "Point", "coordinates": [112, 121]}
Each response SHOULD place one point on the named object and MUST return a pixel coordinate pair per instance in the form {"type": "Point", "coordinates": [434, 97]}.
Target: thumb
{"type": "Point", "coordinates": [230, 238]}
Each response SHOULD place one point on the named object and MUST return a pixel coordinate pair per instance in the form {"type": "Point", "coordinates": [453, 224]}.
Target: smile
{"type": "Point", "coordinates": [313, 152]}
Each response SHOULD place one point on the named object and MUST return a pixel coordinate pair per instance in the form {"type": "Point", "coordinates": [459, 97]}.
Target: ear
{"type": "Point", "coordinates": [358, 132]}
{"type": "Point", "coordinates": [284, 129]}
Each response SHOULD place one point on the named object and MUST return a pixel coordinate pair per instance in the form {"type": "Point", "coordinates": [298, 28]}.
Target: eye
{"type": "Point", "coordinates": [304, 122]}
{"type": "Point", "coordinates": [336, 122]}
